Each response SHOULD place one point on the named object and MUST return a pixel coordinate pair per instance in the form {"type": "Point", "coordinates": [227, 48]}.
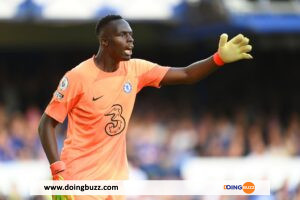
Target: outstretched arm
{"type": "Point", "coordinates": [229, 51]}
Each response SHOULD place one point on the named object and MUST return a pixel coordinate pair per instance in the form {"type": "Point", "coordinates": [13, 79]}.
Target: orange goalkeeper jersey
{"type": "Point", "coordinates": [99, 105]}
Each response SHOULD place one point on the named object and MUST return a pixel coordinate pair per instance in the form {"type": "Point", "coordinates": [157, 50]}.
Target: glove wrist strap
{"type": "Point", "coordinates": [57, 167]}
{"type": "Point", "coordinates": [218, 60]}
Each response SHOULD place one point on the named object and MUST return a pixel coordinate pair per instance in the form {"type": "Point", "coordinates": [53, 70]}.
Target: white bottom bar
{"type": "Point", "coordinates": [153, 187]}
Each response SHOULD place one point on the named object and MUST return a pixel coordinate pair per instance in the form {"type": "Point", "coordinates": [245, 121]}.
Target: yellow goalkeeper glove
{"type": "Point", "coordinates": [233, 50]}
{"type": "Point", "coordinates": [56, 169]}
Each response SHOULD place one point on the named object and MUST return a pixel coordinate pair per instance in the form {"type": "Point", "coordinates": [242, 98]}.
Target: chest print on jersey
{"type": "Point", "coordinates": [127, 87]}
{"type": "Point", "coordinates": [117, 122]}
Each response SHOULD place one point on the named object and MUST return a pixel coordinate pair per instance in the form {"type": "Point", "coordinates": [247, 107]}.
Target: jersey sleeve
{"type": "Point", "coordinates": [65, 97]}
{"type": "Point", "coordinates": [149, 74]}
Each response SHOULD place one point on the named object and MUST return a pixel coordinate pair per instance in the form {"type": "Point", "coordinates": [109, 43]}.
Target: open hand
{"type": "Point", "coordinates": [237, 48]}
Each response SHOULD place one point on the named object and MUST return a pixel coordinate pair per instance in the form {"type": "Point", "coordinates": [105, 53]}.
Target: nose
{"type": "Point", "coordinates": [130, 38]}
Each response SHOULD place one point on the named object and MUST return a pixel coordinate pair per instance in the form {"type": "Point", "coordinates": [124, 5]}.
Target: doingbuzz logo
{"type": "Point", "coordinates": [248, 187]}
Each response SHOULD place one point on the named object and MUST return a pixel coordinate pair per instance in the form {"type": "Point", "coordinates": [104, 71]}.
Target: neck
{"type": "Point", "coordinates": [105, 62]}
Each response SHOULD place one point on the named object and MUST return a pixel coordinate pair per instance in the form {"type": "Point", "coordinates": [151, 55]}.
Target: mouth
{"type": "Point", "coordinates": [128, 50]}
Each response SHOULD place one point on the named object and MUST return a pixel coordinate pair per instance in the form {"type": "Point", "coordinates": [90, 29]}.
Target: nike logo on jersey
{"type": "Point", "coordinates": [96, 98]}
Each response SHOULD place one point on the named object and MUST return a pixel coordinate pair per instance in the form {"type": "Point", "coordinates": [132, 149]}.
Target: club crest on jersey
{"type": "Point", "coordinates": [63, 83]}
{"type": "Point", "coordinates": [127, 87]}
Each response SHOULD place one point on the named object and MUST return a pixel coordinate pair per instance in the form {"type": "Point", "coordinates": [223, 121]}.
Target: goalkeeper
{"type": "Point", "coordinates": [98, 97]}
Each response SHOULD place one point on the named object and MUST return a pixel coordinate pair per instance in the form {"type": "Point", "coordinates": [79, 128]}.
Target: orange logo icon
{"type": "Point", "coordinates": [248, 187]}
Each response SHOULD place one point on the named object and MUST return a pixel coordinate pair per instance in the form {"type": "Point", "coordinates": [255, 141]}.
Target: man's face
{"type": "Point", "coordinates": [119, 41]}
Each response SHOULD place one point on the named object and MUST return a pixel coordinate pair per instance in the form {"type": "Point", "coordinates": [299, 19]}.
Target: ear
{"type": "Point", "coordinates": [104, 42]}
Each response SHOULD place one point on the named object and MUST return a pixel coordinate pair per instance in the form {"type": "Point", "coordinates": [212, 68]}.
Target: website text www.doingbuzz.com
{"type": "Point", "coordinates": [81, 188]}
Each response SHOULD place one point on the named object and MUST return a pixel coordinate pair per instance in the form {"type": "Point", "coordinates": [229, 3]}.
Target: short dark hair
{"type": "Point", "coordinates": [104, 21]}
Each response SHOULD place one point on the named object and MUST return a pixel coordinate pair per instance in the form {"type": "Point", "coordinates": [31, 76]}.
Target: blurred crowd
{"type": "Point", "coordinates": [157, 138]}
{"type": "Point", "coordinates": [159, 142]}
{"type": "Point", "coordinates": [18, 135]}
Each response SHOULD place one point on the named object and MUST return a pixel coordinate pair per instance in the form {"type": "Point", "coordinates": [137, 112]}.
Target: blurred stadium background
{"type": "Point", "coordinates": [240, 123]}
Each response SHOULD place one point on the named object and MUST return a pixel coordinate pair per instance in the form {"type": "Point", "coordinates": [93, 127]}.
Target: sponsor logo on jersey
{"type": "Point", "coordinates": [96, 98]}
